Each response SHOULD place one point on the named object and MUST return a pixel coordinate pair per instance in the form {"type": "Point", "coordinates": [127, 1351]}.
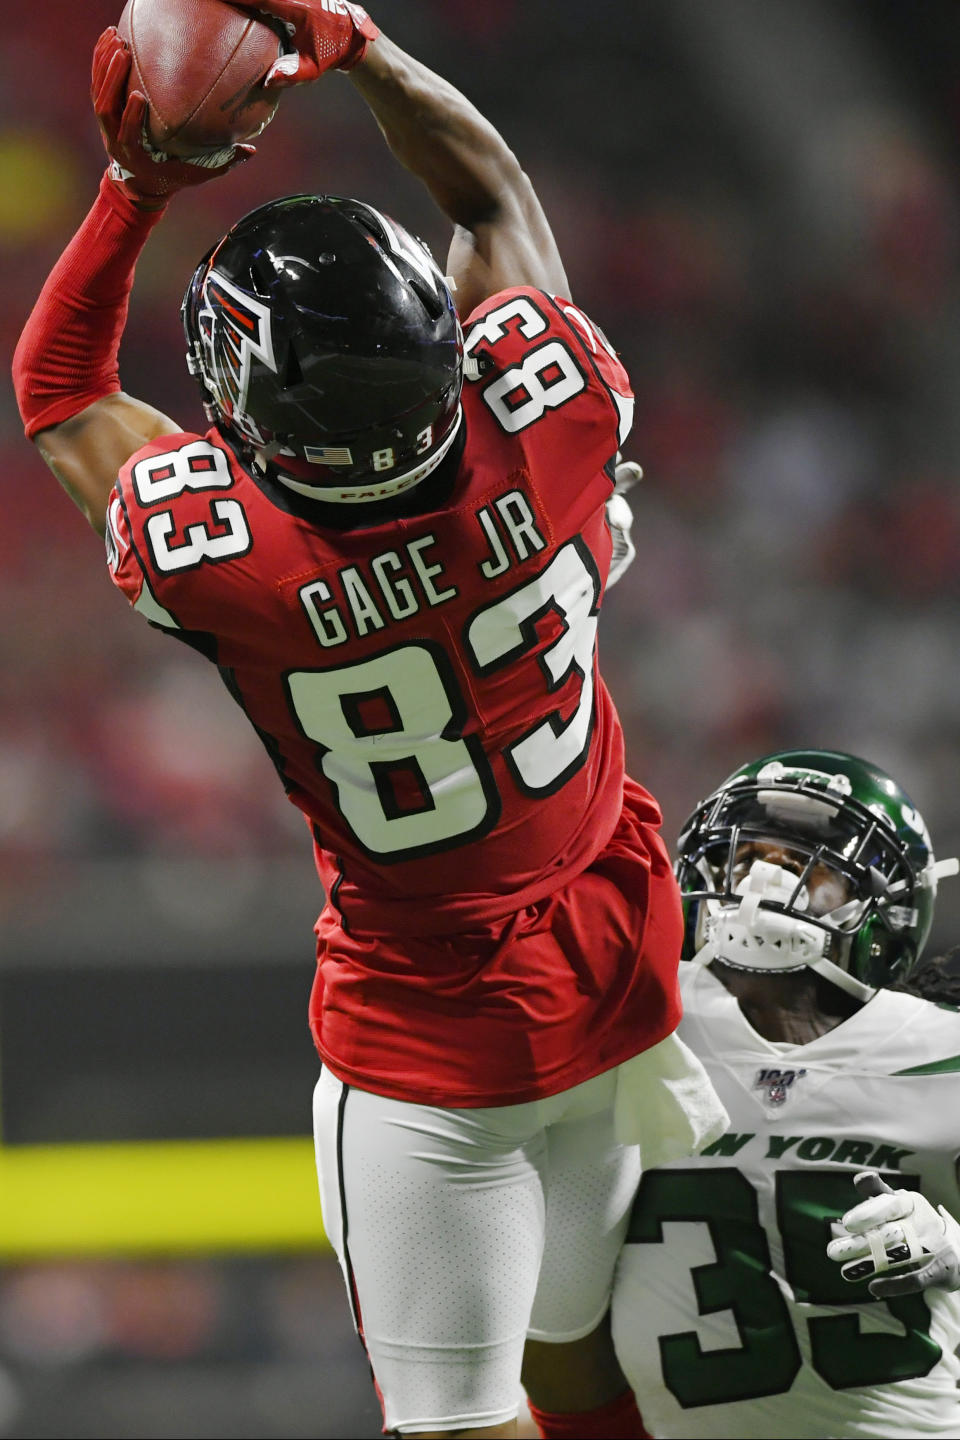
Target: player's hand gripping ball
{"type": "Point", "coordinates": [148, 176]}
{"type": "Point", "coordinates": [200, 66]}
{"type": "Point", "coordinates": [898, 1237]}
{"type": "Point", "coordinates": [323, 35]}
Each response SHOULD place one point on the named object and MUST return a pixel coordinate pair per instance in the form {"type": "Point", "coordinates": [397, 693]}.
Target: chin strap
{"type": "Point", "coordinates": [843, 979]}
{"type": "Point", "coordinates": [938, 870]}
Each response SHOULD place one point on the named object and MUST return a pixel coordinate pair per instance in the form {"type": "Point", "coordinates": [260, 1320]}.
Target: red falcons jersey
{"type": "Point", "coordinates": [426, 687]}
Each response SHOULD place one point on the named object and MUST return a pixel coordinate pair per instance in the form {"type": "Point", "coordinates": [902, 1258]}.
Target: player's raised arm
{"type": "Point", "coordinates": [65, 367]}
{"type": "Point", "coordinates": [501, 235]}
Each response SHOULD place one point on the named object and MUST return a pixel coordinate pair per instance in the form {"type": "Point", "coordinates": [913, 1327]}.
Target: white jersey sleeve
{"type": "Point", "coordinates": [728, 1317]}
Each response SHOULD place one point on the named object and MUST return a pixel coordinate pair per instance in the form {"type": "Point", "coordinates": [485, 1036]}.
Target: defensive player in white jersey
{"type": "Point", "coordinates": [809, 885]}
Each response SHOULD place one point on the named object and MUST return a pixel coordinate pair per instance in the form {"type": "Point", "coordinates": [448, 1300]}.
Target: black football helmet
{"type": "Point", "coordinates": [327, 344]}
{"type": "Point", "coordinates": [809, 857]}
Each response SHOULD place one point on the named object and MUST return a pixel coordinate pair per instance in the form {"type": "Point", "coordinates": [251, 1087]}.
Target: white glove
{"type": "Point", "coordinates": [620, 519]}
{"type": "Point", "coordinates": [899, 1235]}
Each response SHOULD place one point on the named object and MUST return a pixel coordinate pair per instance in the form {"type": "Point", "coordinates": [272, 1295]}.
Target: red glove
{"type": "Point", "coordinates": [147, 176]}
{"type": "Point", "coordinates": [326, 35]}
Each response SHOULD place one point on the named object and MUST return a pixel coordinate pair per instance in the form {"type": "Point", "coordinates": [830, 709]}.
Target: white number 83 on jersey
{"type": "Point", "coordinates": [408, 780]}
{"type": "Point", "coordinates": [196, 466]}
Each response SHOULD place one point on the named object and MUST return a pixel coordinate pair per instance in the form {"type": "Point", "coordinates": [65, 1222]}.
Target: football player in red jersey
{"type": "Point", "coordinates": [392, 543]}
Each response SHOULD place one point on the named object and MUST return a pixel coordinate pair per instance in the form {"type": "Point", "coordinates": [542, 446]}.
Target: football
{"type": "Point", "coordinates": [200, 64]}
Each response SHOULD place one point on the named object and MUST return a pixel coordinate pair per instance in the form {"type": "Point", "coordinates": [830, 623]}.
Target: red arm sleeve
{"type": "Point", "coordinates": [67, 355]}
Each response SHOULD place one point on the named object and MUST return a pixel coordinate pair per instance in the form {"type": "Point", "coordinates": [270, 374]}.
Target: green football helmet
{"type": "Point", "coordinates": [809, 857]}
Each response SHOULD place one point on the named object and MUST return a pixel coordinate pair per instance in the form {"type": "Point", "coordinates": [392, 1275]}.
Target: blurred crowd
{"type": "Point", "coordinates": [779, 268]}
{"type": "Point", "coordinates": [254, 1349]}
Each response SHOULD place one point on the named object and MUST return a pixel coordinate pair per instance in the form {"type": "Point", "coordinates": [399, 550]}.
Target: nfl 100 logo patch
{"type": "Point", "coordinates": [777, 1083]}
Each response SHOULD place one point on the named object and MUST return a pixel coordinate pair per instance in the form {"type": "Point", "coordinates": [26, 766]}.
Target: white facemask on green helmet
{"type": "Point", "coordinates": [810, 858]}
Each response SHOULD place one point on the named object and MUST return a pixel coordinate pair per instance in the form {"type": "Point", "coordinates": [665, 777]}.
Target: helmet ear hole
{"type": "Point", "coordinates": [293, 374]}
{"type": "Point", "coordinates": [429, 298]}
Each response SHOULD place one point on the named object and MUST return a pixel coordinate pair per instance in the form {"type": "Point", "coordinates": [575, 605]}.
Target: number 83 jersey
{"type": "Point", "coordinates": [728, 1317]}
{"type": "Point", "coordinates": [426, 687]}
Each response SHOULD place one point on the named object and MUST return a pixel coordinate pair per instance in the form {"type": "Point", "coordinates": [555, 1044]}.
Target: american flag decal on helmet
{"type": "Point", "coordinates": [328, 454]}
{"type": "Point", "coordinates": [234, 329]}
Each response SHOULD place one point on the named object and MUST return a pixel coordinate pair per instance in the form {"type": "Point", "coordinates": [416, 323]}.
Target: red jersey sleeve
{"type": "Point", "coordinates": [535, 357]}
{"type": "Point", "coordinates": [126, 567]}
{"type": "Point", "coordinates": [173, 517]}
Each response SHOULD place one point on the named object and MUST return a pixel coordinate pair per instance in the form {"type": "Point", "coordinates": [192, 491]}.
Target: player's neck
{"type": "Point", "coordinates": [787, 1009]}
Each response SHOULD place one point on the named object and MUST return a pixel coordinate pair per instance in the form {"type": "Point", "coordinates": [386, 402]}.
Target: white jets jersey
{"type": "Point", "coordinates": [728, 1317]}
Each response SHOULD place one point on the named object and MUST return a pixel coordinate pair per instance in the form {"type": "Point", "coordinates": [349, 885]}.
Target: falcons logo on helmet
{"type": "Point", "coordinates": [234, 329]}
